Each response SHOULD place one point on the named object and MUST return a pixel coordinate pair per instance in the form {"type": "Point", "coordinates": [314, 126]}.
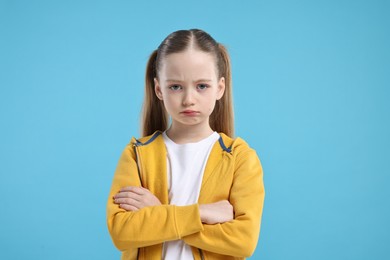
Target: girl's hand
{"type": "Point", "coordinates": [218, 212]}
{"type": "Point", "coordinates": [135, 198]}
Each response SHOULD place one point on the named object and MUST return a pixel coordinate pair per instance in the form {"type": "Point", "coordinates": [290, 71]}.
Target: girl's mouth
{"type": "Point", "coordinates": [190, 112]}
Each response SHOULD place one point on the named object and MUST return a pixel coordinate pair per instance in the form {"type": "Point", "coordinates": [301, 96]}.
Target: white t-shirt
{"type": "Point", "coordinates": [185, 167]}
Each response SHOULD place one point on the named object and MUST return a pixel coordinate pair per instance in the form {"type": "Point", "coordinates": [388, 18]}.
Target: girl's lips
{"type": "Point", "coordinates": [190, 112]}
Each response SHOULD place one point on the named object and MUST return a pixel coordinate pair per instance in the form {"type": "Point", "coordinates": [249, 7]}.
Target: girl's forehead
{"type": "Point", "coordinates": [190, 61]}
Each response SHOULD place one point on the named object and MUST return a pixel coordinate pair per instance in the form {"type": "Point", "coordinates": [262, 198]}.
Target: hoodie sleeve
{"type": "Point", "coordinates": [150, 225]}
{"type": "Point", "coordinates": [237, 237]}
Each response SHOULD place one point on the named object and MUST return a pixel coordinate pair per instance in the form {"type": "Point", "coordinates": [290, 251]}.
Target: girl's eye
{"type": "Point", "coordinates": [175, 87]}
{"type": "Point", "coordinates": [202, 86]}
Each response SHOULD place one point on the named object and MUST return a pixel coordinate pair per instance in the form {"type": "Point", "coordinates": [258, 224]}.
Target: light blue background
{"type": "Point", "coordinates": [311, 91]}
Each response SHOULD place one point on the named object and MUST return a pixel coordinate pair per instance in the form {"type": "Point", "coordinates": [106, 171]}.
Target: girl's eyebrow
{"type": "Point", "coordinates": [203, 80]}
{"type": "Point", "coordinates": [173, 80]}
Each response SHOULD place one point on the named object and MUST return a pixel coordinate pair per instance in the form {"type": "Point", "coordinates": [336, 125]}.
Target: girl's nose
{"type": "Point", "coordinates": [188, 99]}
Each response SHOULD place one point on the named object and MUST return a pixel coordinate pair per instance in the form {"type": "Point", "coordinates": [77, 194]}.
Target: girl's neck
{"type": "Point", "coordinates": [181, 134]}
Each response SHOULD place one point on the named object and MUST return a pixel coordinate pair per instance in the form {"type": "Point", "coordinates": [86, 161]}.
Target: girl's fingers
{"type": "Point", "coordinates": [136, 198]}
{"type": "Point", "coordinates": [127, 201]}
{"type": "Point", "coordinates": [131, 195]}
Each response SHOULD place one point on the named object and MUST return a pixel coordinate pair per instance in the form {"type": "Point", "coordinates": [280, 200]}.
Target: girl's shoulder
{"type": "Point", "coordinates": [235, 145]}
{"type": "Point", "coordinates": [239, 150]}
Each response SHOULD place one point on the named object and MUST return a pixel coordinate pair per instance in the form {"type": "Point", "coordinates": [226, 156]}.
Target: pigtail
{"type": "Point", "coordinates": [222, 118]}
{"type": "Point", "coordinates": [154, 116]}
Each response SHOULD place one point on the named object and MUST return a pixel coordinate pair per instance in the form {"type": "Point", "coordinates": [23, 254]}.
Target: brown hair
{"type": "Point", "coordinates": [154, 116]}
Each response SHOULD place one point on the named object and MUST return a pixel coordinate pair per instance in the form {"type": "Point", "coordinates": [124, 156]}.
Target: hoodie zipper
{"type": "Point", "coordinates": [140, 179]}
{"type": "Point", "coordinates": [138, 161]}
{"type": "Point", "coordinates": [201, 254]}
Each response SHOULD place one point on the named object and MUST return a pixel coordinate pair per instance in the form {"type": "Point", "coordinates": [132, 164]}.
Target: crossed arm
{"type": "Point", "coordinates": [133, 198]}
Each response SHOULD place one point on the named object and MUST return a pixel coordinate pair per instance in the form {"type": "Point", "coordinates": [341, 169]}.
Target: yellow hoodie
{"type": "Point", "coordinates": [233, 172]}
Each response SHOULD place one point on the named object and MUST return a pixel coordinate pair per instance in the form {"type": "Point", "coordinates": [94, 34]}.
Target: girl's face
{"type": "Point", "coordinates": [189, 86]}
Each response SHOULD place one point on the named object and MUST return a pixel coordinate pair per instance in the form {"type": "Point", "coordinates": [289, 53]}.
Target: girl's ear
{"type": "Point", "coordinates": [157, 89]}
{"type": "Point", "coordinates": [221, 88]}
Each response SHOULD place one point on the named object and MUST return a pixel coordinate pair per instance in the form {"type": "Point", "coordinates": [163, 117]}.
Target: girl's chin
{"type": "Point", "coordinates": [189, 122]}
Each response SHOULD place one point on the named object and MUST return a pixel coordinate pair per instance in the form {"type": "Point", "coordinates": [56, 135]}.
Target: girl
{"type": "Point", "coordinates": [187, 190]}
